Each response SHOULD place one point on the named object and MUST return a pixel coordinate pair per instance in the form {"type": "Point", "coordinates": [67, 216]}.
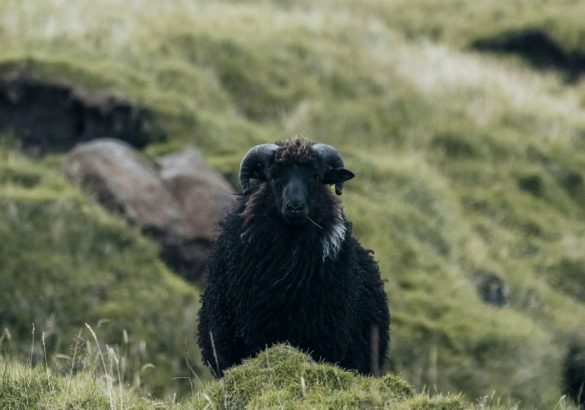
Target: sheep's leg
{"type": "Point", "coordinates": [220, 348]}
{"type": "Point", "coordinates": [375, 350]}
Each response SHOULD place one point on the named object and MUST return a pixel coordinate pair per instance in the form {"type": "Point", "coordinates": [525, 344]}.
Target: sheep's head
{"type": "Point", "coordinates": [296, 174]}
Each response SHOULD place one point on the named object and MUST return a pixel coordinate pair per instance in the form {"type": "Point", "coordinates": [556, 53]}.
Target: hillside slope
{"type": "Point", "coordinates": [467, 166]}
{"type": "Point", "coordinates": [73, 275]}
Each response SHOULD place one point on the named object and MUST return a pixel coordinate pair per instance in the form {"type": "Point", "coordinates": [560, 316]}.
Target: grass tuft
{"type": "Point", "coordinates": [283, 376]}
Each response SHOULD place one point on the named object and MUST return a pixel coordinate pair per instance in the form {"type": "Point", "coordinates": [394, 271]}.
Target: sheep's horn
{"type": "Point", "coordinates": [332, 159]}
{"type": "Point", "coordinates": [253, 162]}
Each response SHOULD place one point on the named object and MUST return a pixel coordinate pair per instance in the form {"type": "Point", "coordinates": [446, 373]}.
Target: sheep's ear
{"type": "Point", "coordinates": [336, 176]}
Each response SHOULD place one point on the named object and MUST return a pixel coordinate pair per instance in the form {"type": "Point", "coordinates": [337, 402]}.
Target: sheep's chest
{"type": "Point", "coordinates": [296, 302]}
{"type": "Point", "coordinates": [286, 291]}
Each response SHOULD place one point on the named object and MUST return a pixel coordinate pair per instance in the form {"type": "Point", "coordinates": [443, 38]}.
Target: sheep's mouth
{"type": "Point", "coordinates": [295, 220]}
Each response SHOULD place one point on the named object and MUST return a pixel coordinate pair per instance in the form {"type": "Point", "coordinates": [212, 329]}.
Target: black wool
{"type": "Point", "coordinates": [311, 285]}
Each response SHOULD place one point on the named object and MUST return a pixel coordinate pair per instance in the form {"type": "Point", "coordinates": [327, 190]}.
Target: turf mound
{"type": "Point", "coordinates": [285, 377]}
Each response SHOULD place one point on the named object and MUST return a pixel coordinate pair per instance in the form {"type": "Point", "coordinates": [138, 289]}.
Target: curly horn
{"type": "Point", "coordinates": [255, 159]}
{"type": "Point", "coordinates": [332, 159]}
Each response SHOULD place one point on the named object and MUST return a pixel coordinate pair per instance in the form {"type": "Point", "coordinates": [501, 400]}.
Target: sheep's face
{"type": "Point", "coordinates": [299, 190]}
{"type": "Point", "coordinates": [293, 179]}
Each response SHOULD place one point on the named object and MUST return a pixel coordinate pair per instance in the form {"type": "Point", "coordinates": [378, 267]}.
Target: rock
{"type": "Point", "coordinates": [203, 193]}
{"type": "Point", "coordinates": [122, 180]}
{"type": "Point", "coordinates": [180, 207]}
{"type": "Point", "coordinates": [205, 197]}
{"type": "Point", "coordinates": [187, 257]}
{"type": "Point", "coordinates": [491, 288]}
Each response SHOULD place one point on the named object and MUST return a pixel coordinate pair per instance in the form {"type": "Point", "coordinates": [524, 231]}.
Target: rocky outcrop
{"type": "Point", "coordinates": [204, 197]}
{"type": "Point", "coordinates": [47, 116]}
{"type": "Point", "coordinates": [179, 204]}
{"type": "Point", "coordinates": [203, 193]}
{"type": "Point", "coordinates": [538, 48]}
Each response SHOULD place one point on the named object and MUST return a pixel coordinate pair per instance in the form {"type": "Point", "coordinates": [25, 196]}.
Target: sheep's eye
{"type": "Point", "coordinates": [317, 178]}
{"type": "Point", "coordinates": [273, 180]}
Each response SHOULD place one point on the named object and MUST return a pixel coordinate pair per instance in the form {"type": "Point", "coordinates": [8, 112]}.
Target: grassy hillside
{"type": "Point", "coordinates": [547, 34]}
{"type": "Point", "coordinates": [461, 23]}
{"type": "Point", "coordinates": [67, 263]}
{"type": "Point", "coordinates": [280, 377]}
{"type": "Point", "coordinates": [465, 163]}
{"type": "Point", "coordinates": [23, 387]}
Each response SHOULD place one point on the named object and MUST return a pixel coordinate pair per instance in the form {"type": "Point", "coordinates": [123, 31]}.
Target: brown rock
{"type": "Point", "coordinates": [125, 181]}
{"type": "Point", "coordinates": [204, 194]}
{"type": "Point", "coordinates": [180, 207]}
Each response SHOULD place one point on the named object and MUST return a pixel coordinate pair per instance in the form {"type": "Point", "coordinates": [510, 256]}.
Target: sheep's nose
{"type": "Point", "coordinates": [296, 207]}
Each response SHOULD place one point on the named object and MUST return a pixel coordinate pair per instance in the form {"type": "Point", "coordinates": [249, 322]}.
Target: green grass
{"type": "Point", "coordinates": [279, 377]}
{"type": "Point", "coordinates": [461, 23]}
{"type": "Point", "coordinates": [464, 163]}
{"type": "Point", "coordinates": [24, 387]}
{"type": "Point", "coordinates": [284, 377]}
{"type": "Point", "coordinates": [65, 263]}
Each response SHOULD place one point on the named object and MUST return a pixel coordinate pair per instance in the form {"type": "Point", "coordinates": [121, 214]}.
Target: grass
{"type": "Point", "coordinates": [23, 387]}
{"type": "Point", "coordinates": [461, 24]}
{"type": "Point", "coordinates": [281, 376]}
{"type": "Point", "coordinates": [284, 377]}
{"type": "Point", "coordinates": [464, 163]}
{"type": "Point", "coordinates": [66, 262]}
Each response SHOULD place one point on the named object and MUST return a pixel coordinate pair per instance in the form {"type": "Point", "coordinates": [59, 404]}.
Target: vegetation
{"type": "Point", "coordinates": [65, 263]}
{"type": "Point", "coordinates": [277, 376]}
{"type": "Point", "coordinates": [285, 375]}
{"type": "Point", "coordinates": [28, 388]}
{"type": "Point", "coordinates": [460, 24]}
{"type": "Point", "coordinates": [465, 163]}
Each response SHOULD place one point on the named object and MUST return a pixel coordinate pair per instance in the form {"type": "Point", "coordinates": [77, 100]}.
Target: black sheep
{"type": "Point", "coordinates": [286, 268]}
